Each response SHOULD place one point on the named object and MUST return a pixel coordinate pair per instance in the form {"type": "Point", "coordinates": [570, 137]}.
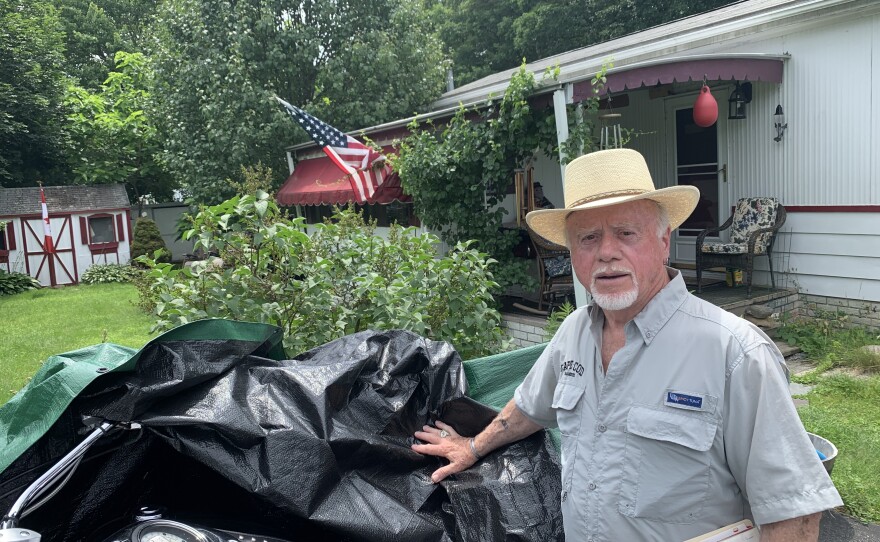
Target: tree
{"type": "Point", "coordinates": [95, 30]}
{"type": "Point", "coordinates": [219, 62]}
{"type": "Point", "coordinates": [31, 86]}
{"type": "Point", "coordinates": [488, 36]}
{"type": "Point", "coordinates": [478, 35]}
{"type": "Point", "coordinates": [147, 240]}
{"type": "Point", "coordinates": [113, 138]}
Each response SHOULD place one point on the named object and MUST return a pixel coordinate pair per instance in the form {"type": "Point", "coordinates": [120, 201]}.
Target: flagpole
{"type": "Point", "coordinates": [48, 245]}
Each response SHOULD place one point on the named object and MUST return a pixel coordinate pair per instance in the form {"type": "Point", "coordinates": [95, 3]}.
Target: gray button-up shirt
{"type": "Point", "coordinates": [692, 427]}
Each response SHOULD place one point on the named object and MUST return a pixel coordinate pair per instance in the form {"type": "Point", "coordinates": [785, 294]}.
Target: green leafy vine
{"type": "Point", "coordinates": [459, 173]}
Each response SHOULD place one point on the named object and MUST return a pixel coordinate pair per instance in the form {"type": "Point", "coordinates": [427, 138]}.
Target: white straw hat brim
{"type": "Point", "coordinates": [678, 201]}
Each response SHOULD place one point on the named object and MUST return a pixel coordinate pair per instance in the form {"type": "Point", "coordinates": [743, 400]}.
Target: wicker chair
{"type": "Point", "coordinates": [554, 269]}
{"type": "Point", "coordinates": [753, 224]}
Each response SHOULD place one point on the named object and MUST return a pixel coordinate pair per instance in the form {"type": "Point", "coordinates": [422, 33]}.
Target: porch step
{"type": "Point", "coordinates": [787, 350]}
{"type": "Point", "coordinates": [767, 325]}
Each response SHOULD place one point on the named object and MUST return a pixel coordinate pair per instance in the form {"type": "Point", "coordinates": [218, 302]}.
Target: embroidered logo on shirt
{"type": "Point", "coordinates": [571, 368]}
{"type": "Point", "coordinates": [684, 400]}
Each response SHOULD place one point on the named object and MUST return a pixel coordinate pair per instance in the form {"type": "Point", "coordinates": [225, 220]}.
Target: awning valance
{"type": "Point", "coordinates": [317, 181]}
{"type": "Point", "coordinates": [682, 69]}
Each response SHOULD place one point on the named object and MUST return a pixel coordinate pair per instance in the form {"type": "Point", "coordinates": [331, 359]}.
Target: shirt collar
{"type": "Point", "coordinates": [657, 312]}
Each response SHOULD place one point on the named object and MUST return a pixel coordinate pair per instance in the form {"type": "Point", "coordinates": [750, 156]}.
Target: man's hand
{"type": "Point", "coordinates": [509, 426]}
{"type": "Point", "coordinates": [801, 529]}
{"type": "Point", "coordinates": [443, 441]}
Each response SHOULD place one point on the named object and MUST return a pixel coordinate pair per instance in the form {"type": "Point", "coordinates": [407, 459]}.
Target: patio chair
{"type": "Point", "coordinates": [554, 269]}
{"type": "Point", "coordinates": [753, 228]}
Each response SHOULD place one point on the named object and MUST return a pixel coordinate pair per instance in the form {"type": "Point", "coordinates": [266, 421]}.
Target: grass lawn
{"type": "Point", "coordinates": [843, 409]}
{"type": "Point", "coordinates": [40, 323]}
{"type": "Point", "coordinates": [846, 411]}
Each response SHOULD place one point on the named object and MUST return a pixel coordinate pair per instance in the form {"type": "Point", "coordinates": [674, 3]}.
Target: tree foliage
{"type": "Point", "coordinates": [95, 30]}
{"type": "Point", "coordinates": [31, 87]}
{"type": "Point", "coordinates": [340, 280]}
{"type": "Point", "coordinates": [488, 36]}
{"type": "Point", "coordinates": [113, 138]}
{"type": "Point", "coordinates": [147, 239]}
{"type": "Point", "coordinates": [218, 63]}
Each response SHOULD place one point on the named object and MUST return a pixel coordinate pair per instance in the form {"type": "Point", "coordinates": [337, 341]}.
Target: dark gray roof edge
{"type": "Point", "coordinates": [63, 199]}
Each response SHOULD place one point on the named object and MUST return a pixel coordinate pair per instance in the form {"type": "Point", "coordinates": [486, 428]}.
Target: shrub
{"type": "Point", "coordinates": [14, 283]}
{"type": "Point", "coordinates": [556, 317]}
{"type": "Point", "coordinates": [342, 280]}
{"type": "Point", "coordinates": [103, 273]}
{"type": "Point", "coordinates": [147, 240]}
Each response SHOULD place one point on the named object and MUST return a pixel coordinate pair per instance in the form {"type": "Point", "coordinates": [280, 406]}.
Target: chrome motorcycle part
{"type": "Point", "coordinates": [163, 530]}
{"type": "Point", "coordinates": [19, 535]}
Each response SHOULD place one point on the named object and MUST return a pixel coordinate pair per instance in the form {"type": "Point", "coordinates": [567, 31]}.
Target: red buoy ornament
{"type": "Point", "coordinates": [705, 108]}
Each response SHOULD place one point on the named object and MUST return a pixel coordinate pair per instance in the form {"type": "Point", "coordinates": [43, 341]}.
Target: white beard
{"type": "Point", "coordinates": [617, 301]}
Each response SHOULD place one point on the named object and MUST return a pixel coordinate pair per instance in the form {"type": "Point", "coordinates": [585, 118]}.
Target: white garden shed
{"type": "Point", "coordinates": [90, 225]}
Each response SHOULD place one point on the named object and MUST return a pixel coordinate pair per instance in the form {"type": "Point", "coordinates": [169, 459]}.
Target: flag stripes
{"type": "Point", "coordinates": [365, 168]}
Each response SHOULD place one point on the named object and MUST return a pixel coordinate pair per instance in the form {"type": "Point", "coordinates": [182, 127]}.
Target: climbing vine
{"type": "Point", "coordinates": [459, 173]}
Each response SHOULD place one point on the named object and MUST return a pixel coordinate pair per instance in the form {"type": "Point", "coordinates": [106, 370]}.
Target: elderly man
{"type": "Point", "coordinates": [675, 415]}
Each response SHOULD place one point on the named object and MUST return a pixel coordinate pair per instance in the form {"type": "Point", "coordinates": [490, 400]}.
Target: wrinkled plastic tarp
{"type": "Point", "coordinates": [314, 446]}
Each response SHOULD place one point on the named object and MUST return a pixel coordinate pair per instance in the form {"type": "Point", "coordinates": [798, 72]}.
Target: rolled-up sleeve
{"type": "Point", "coordinates": [768, 451]}
{"type": "Point", "coordinates": [534, 397]}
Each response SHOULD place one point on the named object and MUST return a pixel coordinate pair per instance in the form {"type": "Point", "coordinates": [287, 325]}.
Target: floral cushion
{"type": "Point", "coordinates": [558, 266]}
{"type": "Point", "coordinates": [752, 214]}
{"type": "Point", "coordinates": [731, 248]}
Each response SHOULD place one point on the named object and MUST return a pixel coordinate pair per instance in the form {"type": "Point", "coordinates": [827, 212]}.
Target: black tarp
{"type": "Point", "coordinates": [312, 448]}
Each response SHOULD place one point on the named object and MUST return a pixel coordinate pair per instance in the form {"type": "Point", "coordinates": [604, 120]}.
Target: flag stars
{"type": "Point", "coordinates": [357, 161]}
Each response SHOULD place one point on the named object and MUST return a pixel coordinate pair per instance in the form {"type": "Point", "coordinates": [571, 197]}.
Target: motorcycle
{"type": "Point", "coordinates": [209, 433]}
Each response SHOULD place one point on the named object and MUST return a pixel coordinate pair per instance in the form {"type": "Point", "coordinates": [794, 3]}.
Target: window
{"type": "Point", "coordinates": [3, 226]}
{"type": "Point", "coordinates": [101, 229]}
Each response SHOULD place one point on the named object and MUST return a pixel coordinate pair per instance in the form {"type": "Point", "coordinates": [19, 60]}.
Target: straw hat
{"type": "Point", "coordinates": [610, 177]}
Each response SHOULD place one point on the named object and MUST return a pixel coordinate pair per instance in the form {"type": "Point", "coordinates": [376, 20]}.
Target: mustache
{"type": "Point", "coordinates": [611, 270]}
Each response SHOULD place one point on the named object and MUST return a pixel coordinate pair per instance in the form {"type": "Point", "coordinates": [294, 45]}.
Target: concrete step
{"type": "Point", "coordinates": [786, 349]}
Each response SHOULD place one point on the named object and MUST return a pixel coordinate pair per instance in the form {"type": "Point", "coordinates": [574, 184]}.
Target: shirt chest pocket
{"type": "Point", "coordinates": [567, 402]}
{"type": "Point", "coordinates": [667, 464]}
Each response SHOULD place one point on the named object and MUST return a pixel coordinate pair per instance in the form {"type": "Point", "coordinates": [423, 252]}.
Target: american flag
{"type": "Point", "coordinates": [364, 167]}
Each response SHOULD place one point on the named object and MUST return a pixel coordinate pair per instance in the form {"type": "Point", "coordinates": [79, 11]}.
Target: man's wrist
{"type": "Point", "coordinates": [473, 446]}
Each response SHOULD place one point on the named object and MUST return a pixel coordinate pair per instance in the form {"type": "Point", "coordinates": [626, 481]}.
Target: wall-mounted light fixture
{"type": "Point", "coordinates": [740, 96]}
{"type": "Point", "coordinates": [779, 123]}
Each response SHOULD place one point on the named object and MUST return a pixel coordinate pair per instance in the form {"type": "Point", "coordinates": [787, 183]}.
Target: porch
{"type": "Point", "coordinates": [526, 326]}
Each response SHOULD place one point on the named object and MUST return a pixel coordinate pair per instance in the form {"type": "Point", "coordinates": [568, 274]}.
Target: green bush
{"type": "Point", "coordinates": [825, 334]}
{"type": "Point", "coordinates": [103, 273]}
{"type": "Point", "coordinates": [147, 240]}
{"type": "Point", "coordinates": [341, 280]}
{"type": "Point", "coordinates": [13, 283]}
{"type": "Point", "coordinates": [556, 317]}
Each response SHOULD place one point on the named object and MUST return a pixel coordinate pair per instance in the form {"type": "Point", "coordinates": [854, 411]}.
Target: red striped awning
{"type": "Point", "coordinates": [318, 181]}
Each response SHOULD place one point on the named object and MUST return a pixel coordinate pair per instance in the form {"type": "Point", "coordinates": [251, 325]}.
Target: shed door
{"type": "Point", "coordinates": [50, 269]}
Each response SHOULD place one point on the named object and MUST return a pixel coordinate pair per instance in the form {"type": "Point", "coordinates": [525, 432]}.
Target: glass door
{"type": "Point", "coordinates": [696, 160]}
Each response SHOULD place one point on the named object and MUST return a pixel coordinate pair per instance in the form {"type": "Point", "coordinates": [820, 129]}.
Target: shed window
{"type": "Point", "coordinates": [3, 245]}
{"type": "Point", "coordinates": [101, 229]}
